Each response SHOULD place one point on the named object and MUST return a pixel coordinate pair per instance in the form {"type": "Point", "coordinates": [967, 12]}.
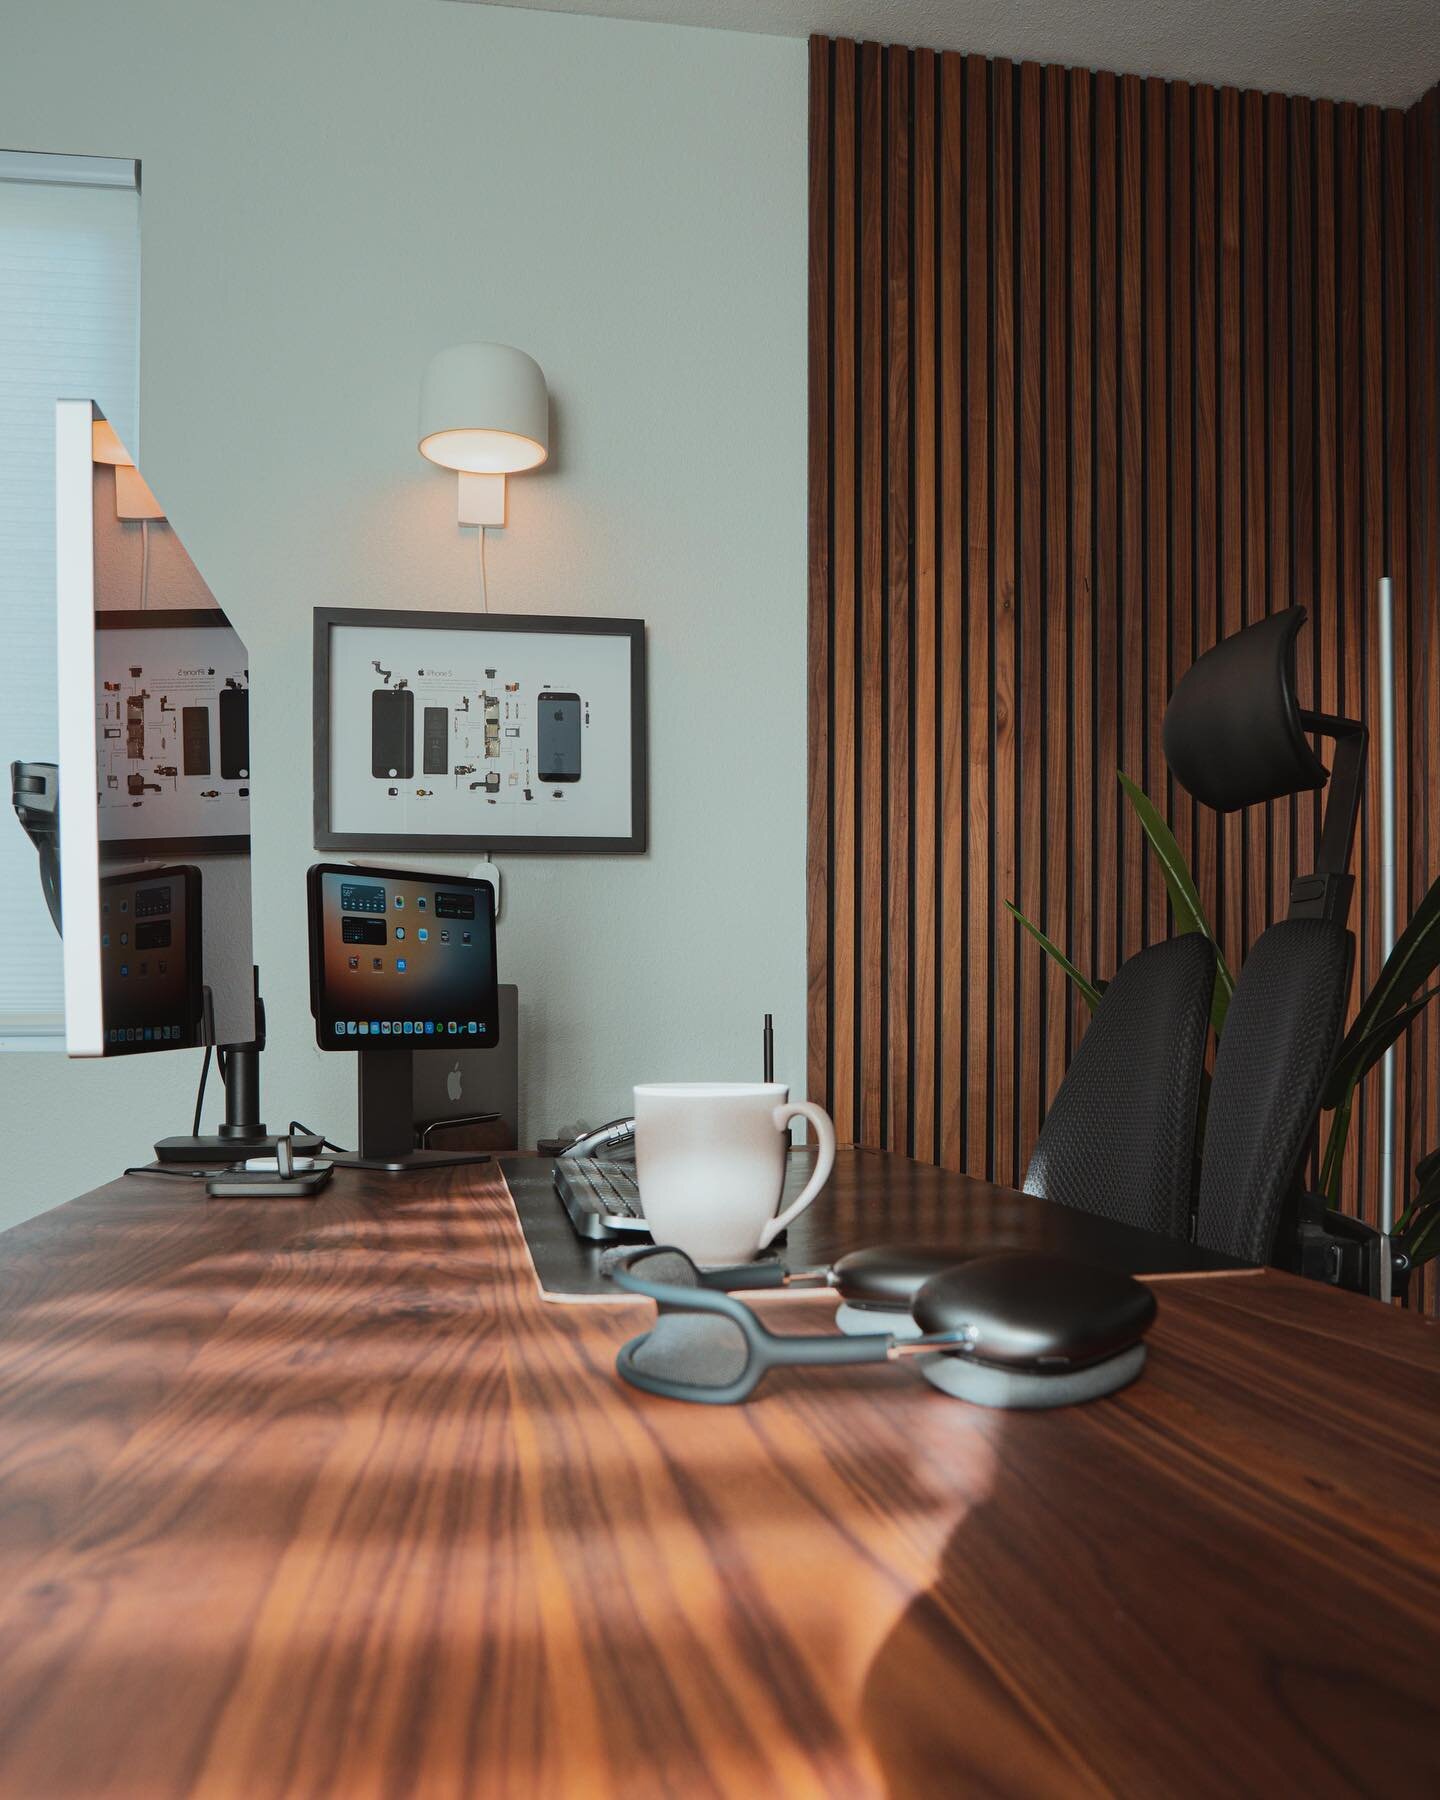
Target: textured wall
{"type": "Point", "coordinates": [1101, 369]}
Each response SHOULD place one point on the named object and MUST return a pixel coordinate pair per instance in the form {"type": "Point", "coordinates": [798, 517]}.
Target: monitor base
{"type": "Point", "coordinates": [210, 1148]}
{"type": "Point", "coordinates": [408, 1162]}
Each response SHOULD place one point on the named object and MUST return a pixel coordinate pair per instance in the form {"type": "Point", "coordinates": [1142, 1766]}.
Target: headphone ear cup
{"type": "Point", "coordinates": [1036, 1313]}
{"type": "Point", "coordinates": [877, 1286]}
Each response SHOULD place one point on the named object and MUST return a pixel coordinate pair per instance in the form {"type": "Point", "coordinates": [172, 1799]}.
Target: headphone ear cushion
{"type": "Point", "coordinates": [1036, 1313]}
{"type": "Point", "coordinates": [984, 1385]}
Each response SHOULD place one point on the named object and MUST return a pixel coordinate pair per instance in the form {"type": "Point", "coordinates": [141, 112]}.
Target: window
{"type": "Point", "coordinates": [69, 329]}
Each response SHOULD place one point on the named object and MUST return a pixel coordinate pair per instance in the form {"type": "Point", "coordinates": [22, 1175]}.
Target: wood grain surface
{"type": "Point", "coordinates": [1102, 369]}
{"type": "Point", "coordinates": [321, 1499]}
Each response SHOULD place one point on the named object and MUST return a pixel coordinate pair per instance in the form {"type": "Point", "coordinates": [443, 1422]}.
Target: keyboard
{"type": "Point", "coordinates": [601, 1198]}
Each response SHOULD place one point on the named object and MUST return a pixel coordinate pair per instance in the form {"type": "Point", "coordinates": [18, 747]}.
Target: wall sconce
{"type": "Point", "coordinates": [484, 411]}
{"type": "Point", "coordinates": [133, 499]}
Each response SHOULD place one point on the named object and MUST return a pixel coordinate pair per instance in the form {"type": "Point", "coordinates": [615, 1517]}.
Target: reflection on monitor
{"type": "Point", "coordinates": [150, 965]}
{"type": "Point", "coordinates": [401, 960]}
{"type": "Point", "coordinates": [154, 688]}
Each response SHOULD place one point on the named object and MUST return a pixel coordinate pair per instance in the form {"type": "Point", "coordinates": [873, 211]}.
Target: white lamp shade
{"type": "Point", "coordinates": [484, 410]}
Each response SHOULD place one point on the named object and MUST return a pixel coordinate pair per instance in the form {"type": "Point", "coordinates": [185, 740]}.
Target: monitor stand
{"type": "Point", "coordinates": [387, 1120]}
{"type": "Point", "coordinates": [242, 1133]}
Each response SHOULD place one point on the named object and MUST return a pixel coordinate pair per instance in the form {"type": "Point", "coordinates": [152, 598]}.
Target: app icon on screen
{"type": "Point", "coordinates": [400, 965]}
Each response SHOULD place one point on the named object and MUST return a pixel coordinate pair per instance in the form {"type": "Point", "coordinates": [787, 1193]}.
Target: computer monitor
{"type": "Point", "coordinates": [143, 829]}
{"type": "Point", "coordinates": [400, 961]}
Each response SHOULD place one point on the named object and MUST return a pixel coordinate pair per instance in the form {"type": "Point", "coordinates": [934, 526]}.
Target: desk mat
{"type": "Point", "coordinates": [872, 1198]}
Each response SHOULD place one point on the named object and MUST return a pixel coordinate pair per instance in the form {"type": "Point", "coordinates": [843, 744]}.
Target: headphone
{"type": "Point", "coordinates": [1016, 1329]}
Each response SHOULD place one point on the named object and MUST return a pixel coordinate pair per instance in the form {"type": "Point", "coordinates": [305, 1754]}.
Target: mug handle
{"type": "Point", "coordinates": [825, 1131]}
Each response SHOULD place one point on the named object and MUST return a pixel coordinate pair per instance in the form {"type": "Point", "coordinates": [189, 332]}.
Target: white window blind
{"type": "Point", "coordinates": [69, 329]}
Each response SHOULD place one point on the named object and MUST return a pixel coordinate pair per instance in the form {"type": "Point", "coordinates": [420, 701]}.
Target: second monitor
{"type": "Point", "coordinates": [399, 961]}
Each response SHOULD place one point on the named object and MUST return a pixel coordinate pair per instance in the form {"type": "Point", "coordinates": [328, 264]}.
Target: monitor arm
{"type": "Point", "coordinates": [35, 795]}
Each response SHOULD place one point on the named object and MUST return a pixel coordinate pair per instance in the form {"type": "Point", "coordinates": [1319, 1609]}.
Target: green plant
{"type": "Point", "coordinates": [1419, 1224]}
{"type": "Point", "coordinates": [1385, 1014]}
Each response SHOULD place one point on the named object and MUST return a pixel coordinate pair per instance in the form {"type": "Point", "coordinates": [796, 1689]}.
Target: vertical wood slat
{"type": "Point", "coordinates": [898, 857]}
{"type": "Point", "coordinates": [1157, 425]}
{"type": "Point", "coordinates": [1030, 693]}
{"type": "Point", "coordinates": [1180, 621]}
{"type": "Point", "coordinates": [1255, 485]}
{"type": "Point", "coordinates": [974, 1079]}
{"type": "Point", "coordinates": [1204, 529]}
{"type": "Point", "coordinates": [955, 788]}
{"type": "Point", "coordinates": [1100, 370]}
{"type": "Point", "coordinates": [926, 667]}
{"type": "Point", "coordinates": [1084, 945]}
{"type": "Point", "coordinates": [1004, 1009]}
{"type": "Point", "coordinates": [869, 702]}
{"type": "Point", "coordinates": [1130, 484]}
{"type": "Point", "coordinates": [1229, 468]}
{"type": "Point", "coordinates": [1105, 550]}
{"type": "Point", "coordinates": [1055, 807]}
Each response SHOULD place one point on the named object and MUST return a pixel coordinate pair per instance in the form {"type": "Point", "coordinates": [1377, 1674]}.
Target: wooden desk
{"type": "Point", "coordinates": [322, 1499]}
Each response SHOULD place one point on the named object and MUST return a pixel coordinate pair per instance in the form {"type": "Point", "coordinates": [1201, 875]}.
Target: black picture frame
{"type": "Point", "coordinates": [419, 842]}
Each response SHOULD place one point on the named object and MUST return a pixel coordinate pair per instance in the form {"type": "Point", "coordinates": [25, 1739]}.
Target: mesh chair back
{"type": "Point", "coordinates": [1119, 1138]}
{"type": "Point", "coordinates": [1280, 1036]}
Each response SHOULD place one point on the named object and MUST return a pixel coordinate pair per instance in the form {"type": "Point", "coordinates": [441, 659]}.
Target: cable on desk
{"type": "Point", "coordinates": [299, 1125]}
{"type": "Point", "coordinates": [174, 1174]}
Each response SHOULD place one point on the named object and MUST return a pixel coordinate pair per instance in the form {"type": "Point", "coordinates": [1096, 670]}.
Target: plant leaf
{"type": "Point", "coordinates": [1053, 950]}
{"type": "Point", "coordinates": [1358, 1055]}
{"type": "Point", "coordinates": [1333, 1161]}
{"type": "Point", "coordinates": [1409, 965]}
{"type": "Point", "coordinates": [1426, 1196]}
{"type": "Point", "coordinates": [1426, 1242]}
{"type": "Point", "coordinates": [1184, 896]}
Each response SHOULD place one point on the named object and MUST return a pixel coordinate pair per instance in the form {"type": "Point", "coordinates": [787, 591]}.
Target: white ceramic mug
{"type": "Point", "coordinates": [710, 1161]}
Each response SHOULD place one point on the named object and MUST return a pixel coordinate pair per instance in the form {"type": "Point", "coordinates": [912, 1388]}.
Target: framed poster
{"type": "Point", "coordinates": [172, 733]}
{"type": "Point", "coordinates": [478, 731]}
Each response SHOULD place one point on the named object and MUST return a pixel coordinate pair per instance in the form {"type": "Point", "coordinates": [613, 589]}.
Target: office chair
{"type": "Point", "coordinates": [1235, 736]}
{"type": "Point", "coordinates": [1119, 1138]}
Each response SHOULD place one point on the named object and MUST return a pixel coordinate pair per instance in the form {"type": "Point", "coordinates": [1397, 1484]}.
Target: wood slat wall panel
{"type": "Point", "coordinates": [1416, 162]}
{"type": "Point", "coordinates": [1101, 369]}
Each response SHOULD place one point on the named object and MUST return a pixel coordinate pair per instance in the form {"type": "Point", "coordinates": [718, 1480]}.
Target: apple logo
{"type": "Point", "coordinates": [453, 1082]}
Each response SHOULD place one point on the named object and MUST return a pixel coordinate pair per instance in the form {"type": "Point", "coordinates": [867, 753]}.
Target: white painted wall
{"type": "Point", "coordinates": [332, 190]}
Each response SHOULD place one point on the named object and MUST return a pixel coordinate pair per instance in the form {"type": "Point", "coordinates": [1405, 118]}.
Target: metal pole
{"type": "Point", "coordinates": [1387, 889]}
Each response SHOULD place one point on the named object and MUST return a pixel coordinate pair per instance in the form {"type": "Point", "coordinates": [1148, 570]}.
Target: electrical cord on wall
{"type": "Point", "coordinates": [480, 558]}
{"type": "Point", "coordinates": [144, 564]}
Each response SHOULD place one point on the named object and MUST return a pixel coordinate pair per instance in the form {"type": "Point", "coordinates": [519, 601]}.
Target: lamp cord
{"type": "Point", "coordinates": [484, 583]}
{"type": "Point", "coordinates": [144, 564]}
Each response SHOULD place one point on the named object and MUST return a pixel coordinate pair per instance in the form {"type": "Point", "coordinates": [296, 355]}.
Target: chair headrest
{"type": "Point", "coordinates": [1232, 729]}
